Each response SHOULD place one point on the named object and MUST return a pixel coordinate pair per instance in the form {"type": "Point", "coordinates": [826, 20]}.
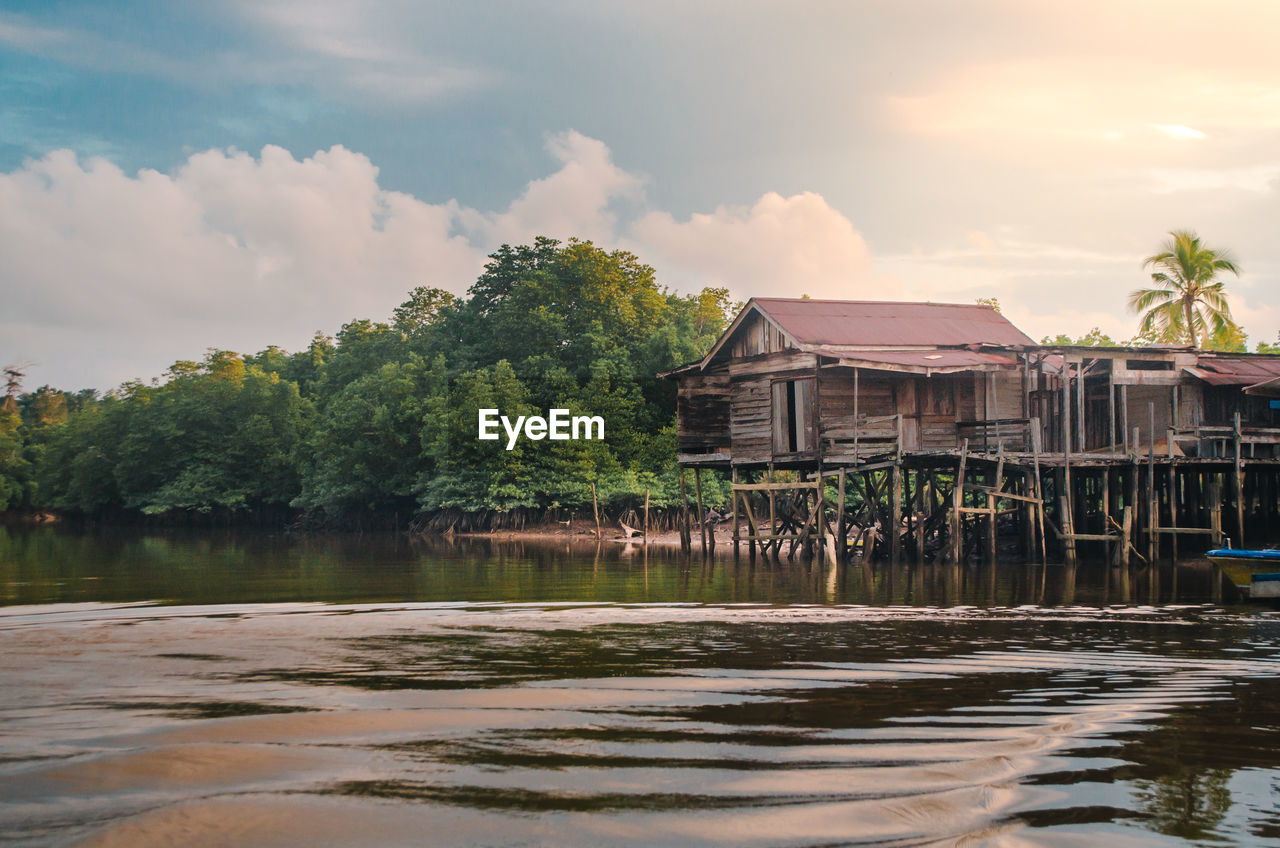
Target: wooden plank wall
{"type": "Point", "coordinates": [702, 402]}
{"type": "Point", "coordinates": [1139, 412]}
{"type": "Point", "coordinates": [750, 426]}
{"type": "Point", "coordinates": [754, 337]}
{"type": "Point", "coordinates": [751, 399]}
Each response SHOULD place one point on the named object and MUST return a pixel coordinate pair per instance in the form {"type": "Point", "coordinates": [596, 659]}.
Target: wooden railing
{"type": "Point", "coordinates": [853, 437]}
{"type": "Point", "coordinates": [1219, 441]}
{"type": "Point", "coordinates": [1014, 434]}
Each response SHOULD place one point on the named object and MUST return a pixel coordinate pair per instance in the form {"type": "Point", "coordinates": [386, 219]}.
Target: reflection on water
{"type": "Point", "coordinates": [55, 565]}
{"type": "Point", "coordinates": [501, 724]}
{"type": "Point", "coordinates": [377, 691]}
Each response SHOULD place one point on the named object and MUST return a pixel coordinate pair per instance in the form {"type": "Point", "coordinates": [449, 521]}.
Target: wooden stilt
{"type": "Point", "coordinates": [1126, 532]}
{"type": "Point", "coordinates": [842, 533]}
{"type": "Point", "coordinates": [686, 544]}
{"type": "Point", "coordinates": [1153, 506]}
{"type": "Point", "coordinates": [1173, 500]}
{"type": "Point", "coordinates": [1039, 487]}
{"type": "Point", "coordinates": [1237, 481]}
{"type": "Point", "coordinates": [1215, 508]}
{"type": "Point", "coordinates": [895, 513]}
{"type": "Point", "coordinates": [646, 516]}
{"type": "Point", "coordinates": [821, 519]}
{"type": "Point", "coordinates": [733, 498]}
{"type": "Point", "coordinates": [957, 503]}
{"type": "Point", "coordinates": [595, 508]}
{"type": "Point", "coordinates": [910, 500]}
{"type": "Point", "coordinates": [702, 515]}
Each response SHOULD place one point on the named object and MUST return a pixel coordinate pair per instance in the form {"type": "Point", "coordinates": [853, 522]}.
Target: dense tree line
{"type": "Point", "coordinates": [382, 418]}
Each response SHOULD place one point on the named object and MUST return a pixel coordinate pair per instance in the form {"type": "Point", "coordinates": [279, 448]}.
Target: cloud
{"type": "Point", "coordinates": [112, 276]}
{"type": "Point", "coordinates": [779, 246]}
{"type": "Point", "coordinates": [229, 250]}
{"type": "Point", "coordinates": [338, 51]}
{"type": "Point", "coordinates": [581, 199]}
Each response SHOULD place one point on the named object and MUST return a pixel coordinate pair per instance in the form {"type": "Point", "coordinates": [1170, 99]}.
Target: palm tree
{"type": "Point", "coordinates": [1188, 303]}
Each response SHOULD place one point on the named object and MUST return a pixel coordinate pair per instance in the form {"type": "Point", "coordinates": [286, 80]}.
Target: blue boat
{"type": "Point", "coordinates": [1255, 572]}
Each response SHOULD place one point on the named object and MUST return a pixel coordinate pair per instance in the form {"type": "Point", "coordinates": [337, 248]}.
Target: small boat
{"type": "Point", "coordinates": [1256, 572]}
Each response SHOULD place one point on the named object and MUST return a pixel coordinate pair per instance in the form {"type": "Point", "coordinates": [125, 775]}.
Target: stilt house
{"type": "Point", "coordinates": [795, 382]}
{"type": "Point", "coordinates": [950, 392]}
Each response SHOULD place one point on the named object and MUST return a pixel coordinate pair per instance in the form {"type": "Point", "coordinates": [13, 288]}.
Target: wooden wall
{"type": "Point", "coordinates": [755, 336]}
{"type": "Point", "coordinates": [702, 404]}
{"type": "Point", "coordinates": [751, 398]}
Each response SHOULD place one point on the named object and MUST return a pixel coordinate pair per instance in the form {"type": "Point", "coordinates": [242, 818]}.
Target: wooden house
{"type": "Point", "coordinates": [957, 396]}
{"type": "Point", "coordinates": [793, 382]}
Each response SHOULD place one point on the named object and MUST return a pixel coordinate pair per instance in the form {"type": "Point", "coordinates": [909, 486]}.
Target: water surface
{"type": "Point", "coordinates": [253, 689]}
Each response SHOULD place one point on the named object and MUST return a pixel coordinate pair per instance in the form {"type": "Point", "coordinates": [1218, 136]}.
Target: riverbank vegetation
{"type": "Point", "coordinates": [377, 425]}
{"type": "Point", "coordinates": [379, 422]}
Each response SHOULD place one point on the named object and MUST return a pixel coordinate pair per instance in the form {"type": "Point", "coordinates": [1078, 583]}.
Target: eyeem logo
{"type": "Point", "coordinates": [559, 427]}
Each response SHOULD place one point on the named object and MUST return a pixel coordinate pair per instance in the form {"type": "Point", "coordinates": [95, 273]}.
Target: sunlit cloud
{"type": "Point", "coordinates": [1179, 131]}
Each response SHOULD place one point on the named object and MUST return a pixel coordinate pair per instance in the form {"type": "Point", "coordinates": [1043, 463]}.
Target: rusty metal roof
{"type": "Point", "coordinates": [925, 361]}
{"type": "Point", "coordinates": [1218, 370]}
{"type": "Point", "coordinates": [1268, 388]}
{"type": "Point", "coordinates": [887, 324]}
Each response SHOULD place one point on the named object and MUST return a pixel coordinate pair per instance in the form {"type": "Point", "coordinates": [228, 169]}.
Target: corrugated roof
{"type": "Point", "coordinates": [888, 324]}
{"type": "Point", "coordinates": [1268, 388]}
{"type": "Point", "coordinates": [925, 361]}
{"type": "Point", "coordinates": [1236, 370]}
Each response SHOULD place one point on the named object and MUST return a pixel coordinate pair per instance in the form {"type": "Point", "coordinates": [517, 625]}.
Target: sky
{"type": "Point", "coordinates": [176, 177]}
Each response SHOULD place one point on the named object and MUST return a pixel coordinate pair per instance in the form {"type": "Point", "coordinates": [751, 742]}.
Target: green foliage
{"type": "Point", "coordinates": [993, 302]}
{"type": "Point", "coordinates": [1188, 303]}
{"type": "Point", "coordinates": [383, 416]}
{"type": "Point", "coordinates": [1272, 347]}
{"type": "Point", "coordinates": [13, 467]}
{"type": "Point", "coordinates": [1094, 338]}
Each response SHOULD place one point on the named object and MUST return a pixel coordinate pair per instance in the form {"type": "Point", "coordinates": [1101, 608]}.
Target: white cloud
{"type": "Point", "coordinates": [780, 246]}
{"type": "Point", "coordinates": [579, 200]}
{"type": "Point", "coordinates": [229, 250]}
{"type": "Point", "coordinates": [111, 276]}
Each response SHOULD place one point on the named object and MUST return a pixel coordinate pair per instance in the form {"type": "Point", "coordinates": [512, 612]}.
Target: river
{"type": "Point", "coordinates": [256, 689]}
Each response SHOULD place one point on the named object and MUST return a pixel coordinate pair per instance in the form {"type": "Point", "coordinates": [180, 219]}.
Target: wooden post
{"type": "Point", "coordinates": [895, 510]}
{"type": "Point", "coordinates": [910, 501]}
{"type": "Point", "coordinates": [1126, 532]}
{"type": "Point", "coordinates": [1173, 498]}
{"type": "Point", "coordinates": [1080, 431]}
{"type": "Point", "coordinates": [855, 415]}
{"type": "Point", "coordinates": [1026, 518]}
{"type": "Point", "coordinates": [1215, 508]}
{"type": "Point", "coordinates": [1124, 417]}
{"type": "Point", "coordinates": [1238, 482]}
{"type": "Point", "coordinates": [1153, 511]}
{"type": "Point", "coordinates": [1111, 406]}
{"type": "Point", "coordinates": [820, 519]}
{"type": "Point", "coordinates": [595, 508]}
{"type": "Point", "coordinates": [992, 503]}
{"type": "Point", "coordinates": [686, 543]}
{"type": "Point", "coordinates": [772, 544]}
{"type": "Point", "coordinates": [702, 515]}
{"type": "Point", "coordinates": [991, 528]}
{"type": "Point", "coordinates": [733, 496]}
{"type": "Point", "coordinates": [1066, 409]}
{"type": "Point", "coordinates": [842, 535]}
{"type": "Point", "coordinates": [646, 515]}
{"type": "Point", "coordinates": [1039, 487]}
{"type": "Point", "coordinates": [957, 503]}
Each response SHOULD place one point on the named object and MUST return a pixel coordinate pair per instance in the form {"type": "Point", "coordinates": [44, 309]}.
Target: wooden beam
{"type": "Point", "coordinates": [841, 533]}
{"type": "Point", "coordinates": [702, 515]}
{"type": "Point", "coordinates": [1238, 481]}
{"type": "Point", "coordinates": [775, 487]}
{"type": "Point", "coordinates": [895, 513]}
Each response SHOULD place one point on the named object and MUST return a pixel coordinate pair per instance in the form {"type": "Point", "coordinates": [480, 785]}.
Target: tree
{"type": "Point", "coordinates": [1188, 302]}
{"type": "Point", "coordinates": [1094, 338]}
